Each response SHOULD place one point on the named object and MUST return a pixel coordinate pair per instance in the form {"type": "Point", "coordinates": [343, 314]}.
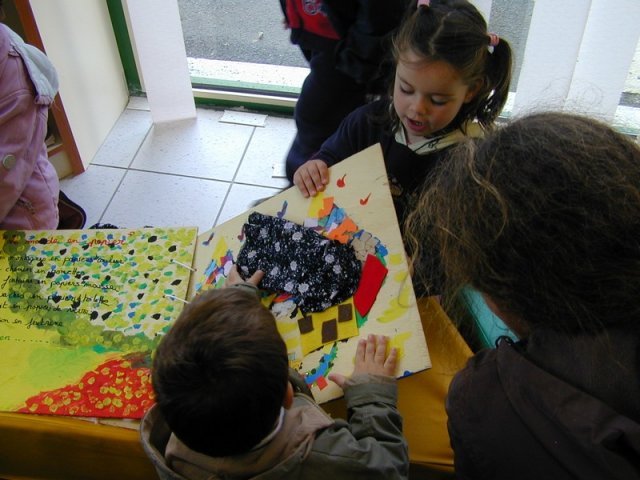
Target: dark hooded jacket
{"type": "Point", "coordinates": [363, 29]}
{"type": "Point", "coordinates": [555, 406]}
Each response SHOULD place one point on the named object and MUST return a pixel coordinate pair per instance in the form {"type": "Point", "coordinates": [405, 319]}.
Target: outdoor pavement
{"type": "Point", "coordinates": [253, 32]}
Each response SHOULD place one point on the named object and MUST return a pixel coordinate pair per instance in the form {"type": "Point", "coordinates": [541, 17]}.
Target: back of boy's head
{"type": "Point", "coordinates": [220, 374]}
{"type": "Point", "coordinates": [454, 31]}
{"type": "Point", "coordinates": [543, 215]}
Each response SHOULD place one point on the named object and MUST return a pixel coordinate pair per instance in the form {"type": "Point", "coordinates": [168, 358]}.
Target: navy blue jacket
{"type": "Point", "coordinates": [406, 169]}
{"type": "Point", "coordinates": [364, 27]}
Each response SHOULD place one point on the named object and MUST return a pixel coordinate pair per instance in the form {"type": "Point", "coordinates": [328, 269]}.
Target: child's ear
{"type": "Point", "coordinates": [288, 396]}
{"type": "Point", "coordinates": [473, 90]}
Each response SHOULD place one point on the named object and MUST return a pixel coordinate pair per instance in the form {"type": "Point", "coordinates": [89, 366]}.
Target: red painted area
{"type": "Point", "coordinates": [321, 382]}
{"type": "Point", "coordinates": [116, 389]}
{"type": "Point", "coordinates": [364, 201]}
{"type": "Point", "coordinates": [373, 275]}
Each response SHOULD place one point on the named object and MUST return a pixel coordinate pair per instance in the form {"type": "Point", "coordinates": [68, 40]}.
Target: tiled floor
{"type": "Point", "coordinates": [198, 172]}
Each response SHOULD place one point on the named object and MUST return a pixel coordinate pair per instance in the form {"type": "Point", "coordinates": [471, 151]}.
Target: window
{"type": "Point", "coordinates": [233, 46]}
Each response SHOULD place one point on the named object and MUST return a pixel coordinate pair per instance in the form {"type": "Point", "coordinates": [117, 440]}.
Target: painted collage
{"type": "Point", "coordinates": [80, 314]}
{"type": "Point", "coordinates": [356, 208]}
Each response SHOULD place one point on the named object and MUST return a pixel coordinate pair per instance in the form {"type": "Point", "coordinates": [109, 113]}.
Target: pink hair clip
{"type": "Point", "coordinates": [494, 39]}
{"type": "Point", "coordinates": [423, 2]}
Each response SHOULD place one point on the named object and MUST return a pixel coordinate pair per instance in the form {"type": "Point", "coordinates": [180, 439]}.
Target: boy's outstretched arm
{"type": "Point", "coordinates": [370, 444]}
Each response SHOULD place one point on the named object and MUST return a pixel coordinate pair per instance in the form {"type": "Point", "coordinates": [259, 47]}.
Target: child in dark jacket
{"type": "Point", "coordinates": [226, 408]}
{"type": "Point", "coordinates": [445, 90]}
{"type": "Point", "coordinates": [542, 217]}
{"type": "Point", "coordinates": [346, 43]}
{"type": "Point", "coordinates": [451, 81]}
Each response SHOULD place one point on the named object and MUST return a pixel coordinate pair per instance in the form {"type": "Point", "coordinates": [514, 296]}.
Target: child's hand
{"type": "Point", "coordinates": [311, 177]}
{"type": "Point", "coordinates": [235, 278]}
{"type": "Point", "coordinates": [371, 357]}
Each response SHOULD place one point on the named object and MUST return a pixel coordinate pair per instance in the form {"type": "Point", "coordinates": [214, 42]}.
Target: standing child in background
{"type": "Point", "coordinates": [451, 82]}
{"type": "Point", "coordinates": [543, 219]}
{"type": "Point", "coordinates": [226, 407]}
{"type": "Point", "coordinates": [346, 43]}
{"type": "Point", "coordinates": [28, 181]}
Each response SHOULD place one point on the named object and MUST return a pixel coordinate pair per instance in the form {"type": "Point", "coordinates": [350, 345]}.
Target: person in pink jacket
{"type": "Point", "coordinates": [29, 185]}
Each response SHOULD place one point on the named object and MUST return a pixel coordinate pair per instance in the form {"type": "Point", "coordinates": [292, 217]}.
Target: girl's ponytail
{"type": "Point", "coordinates": [498, 77]}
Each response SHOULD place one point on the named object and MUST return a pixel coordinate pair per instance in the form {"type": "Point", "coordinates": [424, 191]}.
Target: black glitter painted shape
{"type": "Point", "coordinates": [318, 272]}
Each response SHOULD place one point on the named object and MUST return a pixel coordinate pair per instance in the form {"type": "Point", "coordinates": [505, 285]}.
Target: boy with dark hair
{"type": "Point", "coordinates": [226, 407]}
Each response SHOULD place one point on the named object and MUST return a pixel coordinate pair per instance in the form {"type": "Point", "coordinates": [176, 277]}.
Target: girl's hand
{"type": "Point", "coordinates": [311, 177]}
{"type": "Point", "coordinates": [371, 357]}
{"type": "Point", "coordinates": [234, 277]}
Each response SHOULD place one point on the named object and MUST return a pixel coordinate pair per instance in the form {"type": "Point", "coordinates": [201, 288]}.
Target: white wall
{"type": "Point", "coordinates": [79, 40]}
{"type": "Point", "coordinates": [484, 6]}
{"type": "Point", "coordinates": [162, 58]}
{"type": "Point", "coordinates": [578, 56]}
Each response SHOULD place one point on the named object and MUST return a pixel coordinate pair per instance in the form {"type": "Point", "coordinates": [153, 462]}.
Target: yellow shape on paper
{"type": "Point", "coordinates": [398, 306]}
{"type": "Point", "coordinates": [286, 328]}
{"type": "Point", "coordinates": [316, 205]}
{"type": "Point", "coordinates": [292, 343]}
{"type": "Point", "coordinates": [398, 342]}
{"type": "Point", "coordinates": [329, 323]}
{"type": "Point", "coordinates": [268, 300]}
{"type": "Point", "coordinates": [396, 259]}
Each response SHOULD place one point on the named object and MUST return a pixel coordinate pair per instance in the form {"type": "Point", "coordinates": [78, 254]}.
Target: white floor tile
{"type": "Point", "coordinates": [125, 139]}
{"type": "Point", "coordinates": [158, 188]}
{"type": "Point", "coordinates": [152, 199]}
{"type": "Point", "coordinates": [268, 145]}
{"type": "Point", "coordinates": [93, 190]}
{"type": "Point", "coordinates": [203, 147]}
{"type": "Point", "coordinates": [241, 198]}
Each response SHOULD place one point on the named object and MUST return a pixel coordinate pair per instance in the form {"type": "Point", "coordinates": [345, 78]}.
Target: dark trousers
{"type": "Point", "coordinates": [326, 97]}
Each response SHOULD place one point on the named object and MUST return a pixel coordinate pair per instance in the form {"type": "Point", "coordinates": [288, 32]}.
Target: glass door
{"type": "Point", "coordinates": [241, 46]}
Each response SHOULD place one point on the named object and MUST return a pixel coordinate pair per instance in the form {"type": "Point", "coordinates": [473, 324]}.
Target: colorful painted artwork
{"type": "Point", "coordinates": [355, 208]}
{"type": "Point", "coordinates": [80, 313]}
